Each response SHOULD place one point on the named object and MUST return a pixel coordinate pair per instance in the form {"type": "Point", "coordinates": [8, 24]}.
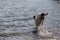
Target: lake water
{"type": "Point", "coordinates": [16, 16]}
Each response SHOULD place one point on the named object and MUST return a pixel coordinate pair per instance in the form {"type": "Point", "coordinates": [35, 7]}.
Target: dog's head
{"type": "Point", "coordinates": [39, 18]}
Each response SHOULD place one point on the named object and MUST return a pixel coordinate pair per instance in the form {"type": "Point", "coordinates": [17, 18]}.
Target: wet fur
{"type": "Point", "coordinates": [39, 19]}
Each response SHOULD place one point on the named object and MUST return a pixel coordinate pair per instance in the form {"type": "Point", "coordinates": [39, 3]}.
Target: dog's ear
{"type": "Point", "coordinates": [46, 14]}
{"type": "Point", "coordinates": [34, 17]}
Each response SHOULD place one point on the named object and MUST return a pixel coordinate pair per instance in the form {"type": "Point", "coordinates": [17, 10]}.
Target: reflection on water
{"type": "Point", "coordinates": [16, 15]}
{"type": "Point", "coordinates": [56, 0]}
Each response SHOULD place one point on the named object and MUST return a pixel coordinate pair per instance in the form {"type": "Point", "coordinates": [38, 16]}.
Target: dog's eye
{"type": "Point", "coordinates": [42, 14]}
{"type": "Point", "coordinates": [33, 17]}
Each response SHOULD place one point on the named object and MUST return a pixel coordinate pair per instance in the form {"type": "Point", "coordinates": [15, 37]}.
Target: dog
{"type": "Point", "coordinates": [39, 29]}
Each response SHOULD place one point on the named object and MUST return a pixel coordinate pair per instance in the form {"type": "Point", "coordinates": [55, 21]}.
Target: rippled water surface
{"type": "Point", "coordinates": [16, 16]}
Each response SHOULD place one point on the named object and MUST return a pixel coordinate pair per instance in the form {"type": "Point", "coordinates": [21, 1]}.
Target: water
{"type": "Point", "coordinates": [16, 15]}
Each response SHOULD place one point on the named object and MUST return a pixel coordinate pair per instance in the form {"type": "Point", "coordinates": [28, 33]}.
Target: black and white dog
{"type": "Point", "coordinates": [39, 29]}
